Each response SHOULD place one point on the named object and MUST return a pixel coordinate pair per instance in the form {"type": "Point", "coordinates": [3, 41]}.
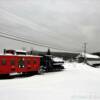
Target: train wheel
{"type": "Point", "coordinates": [28, 73]}
{"type": "Point", "coordinates": [31, 73]}
{"type": "Point", "coordinates": [41, 71]}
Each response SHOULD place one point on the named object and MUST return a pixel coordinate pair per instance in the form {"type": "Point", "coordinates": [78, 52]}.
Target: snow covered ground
{"type": "Point", "coordinates": [76, 82]}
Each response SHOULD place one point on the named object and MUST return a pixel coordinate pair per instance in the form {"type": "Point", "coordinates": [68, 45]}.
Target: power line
{"type": "Point", "coordinates": [13, 37]}
{"type": "Point", "coordinates": [16, 38]}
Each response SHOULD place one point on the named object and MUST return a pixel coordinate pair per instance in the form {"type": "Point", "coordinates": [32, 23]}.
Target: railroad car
{"type": "Point", "coordinates": [49, 64]}
{"type": "Point", "coordinates": [18, 61]}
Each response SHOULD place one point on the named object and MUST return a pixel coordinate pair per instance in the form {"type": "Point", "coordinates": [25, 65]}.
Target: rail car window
{"type": "Point", "coordinates": [3, 61]}
{"type": "Point", "coordinates": [34, 62]}
{"type": "Point", "coordinates": [12, 62]}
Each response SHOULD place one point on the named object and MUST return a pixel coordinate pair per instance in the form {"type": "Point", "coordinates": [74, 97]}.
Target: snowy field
{"type": "Point", "coordinates": [76, 82]}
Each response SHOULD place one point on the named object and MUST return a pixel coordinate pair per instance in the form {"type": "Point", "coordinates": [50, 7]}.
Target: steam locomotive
{"type": "Point", "coordinates": [18, 61]}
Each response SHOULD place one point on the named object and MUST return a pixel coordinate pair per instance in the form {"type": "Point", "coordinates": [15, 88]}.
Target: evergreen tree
{"type": "Point", "coordinates": [48, 52]}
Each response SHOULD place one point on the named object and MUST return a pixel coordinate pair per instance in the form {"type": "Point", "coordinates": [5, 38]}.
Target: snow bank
{"type": "Point", "coordinates": [80, 66]}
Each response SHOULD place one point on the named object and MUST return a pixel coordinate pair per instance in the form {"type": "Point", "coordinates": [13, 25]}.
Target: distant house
{"type": "Point", "coordinates": [84, 57]}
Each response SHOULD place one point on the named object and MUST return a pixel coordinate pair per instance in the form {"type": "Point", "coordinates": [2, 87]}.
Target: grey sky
{"type": "Point", "coordinates": [58, 23]}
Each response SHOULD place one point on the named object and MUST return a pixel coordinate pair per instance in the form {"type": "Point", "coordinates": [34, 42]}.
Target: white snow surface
{"type": "Point", "coordinates": [57, 59]}
{"type": "Point", "coordinates": [76, 82]}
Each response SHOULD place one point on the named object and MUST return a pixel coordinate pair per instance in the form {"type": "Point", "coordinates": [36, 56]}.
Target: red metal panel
{"type": "Point", "coordinates": [7, 67]}
{"type": "Point", "coordinates": [36, 63]}
{"type": "Point", "coordinates": [19, 64]}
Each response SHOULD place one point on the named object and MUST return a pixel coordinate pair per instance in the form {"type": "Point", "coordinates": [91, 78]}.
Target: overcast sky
{"type": "Point", "coordinates": [65, 24]}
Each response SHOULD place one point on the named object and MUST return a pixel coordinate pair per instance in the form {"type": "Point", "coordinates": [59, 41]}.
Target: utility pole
{"type": "Point", "coordinates": [85, 59]}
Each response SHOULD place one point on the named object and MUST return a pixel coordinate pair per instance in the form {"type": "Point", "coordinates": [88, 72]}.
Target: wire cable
{"type": "Point", "coordinates": [16, 38]}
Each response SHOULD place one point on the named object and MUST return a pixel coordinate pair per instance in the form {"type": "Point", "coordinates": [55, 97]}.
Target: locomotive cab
{"type": "Point", "coordinates": [48, 63]}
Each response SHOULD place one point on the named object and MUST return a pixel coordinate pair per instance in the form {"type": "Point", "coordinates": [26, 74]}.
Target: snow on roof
{"type": "Point", "coordinates": [57, 59]}
{"type": "Point", "coordinates": [16, 50]}
{"type": "Point", "coordinates": [1, 54]}
{"type": "Point", "coordinates": [20, 51]}
{"type": "Point", "coordinates": [87, 55]}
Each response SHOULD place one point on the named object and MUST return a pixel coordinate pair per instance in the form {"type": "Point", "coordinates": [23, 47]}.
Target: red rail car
{"type": "Point", "coordinates": [13, 61]}
{"type": "Point", "coordinates": [10, 63]}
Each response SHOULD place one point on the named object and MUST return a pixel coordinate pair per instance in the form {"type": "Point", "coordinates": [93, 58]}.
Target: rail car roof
{"type": "Point", "coordinates": [20, 55]}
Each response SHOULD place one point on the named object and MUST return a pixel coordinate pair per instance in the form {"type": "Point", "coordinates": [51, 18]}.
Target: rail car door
{"type": "Point", "coordinates": [20, 64]}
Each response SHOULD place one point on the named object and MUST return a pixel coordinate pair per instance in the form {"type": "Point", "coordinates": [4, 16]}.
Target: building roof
{"type": "Point", "coordinates": [87, 55]}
